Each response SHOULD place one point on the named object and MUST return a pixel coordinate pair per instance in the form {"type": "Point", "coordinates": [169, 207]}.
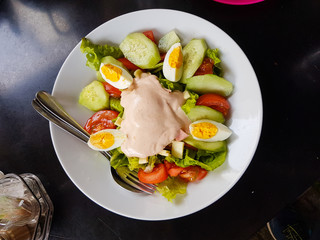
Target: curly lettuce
{"type": "Point", "coordinates": [171, 85]}
{"type": "Point", "coordinates": [118, 159]}
{"type": "Point", "coordinates": [190, 103]}
{"type": "Point", "coordinates": [214, 55]}
{"type": "Point", "coordinates": [207, 160]}
{"type": "Point", "coordinates": [171, 187]}
{"type": "Point", "coordinates": [115, 104]}
{"type": "Point", "coordinates": [94, 53]}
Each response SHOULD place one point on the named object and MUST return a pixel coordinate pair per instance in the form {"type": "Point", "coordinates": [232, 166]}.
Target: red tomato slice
{"type": "Point", "coordinates": [206, 67]}
{"type": "Point", "coordinates": [129, 65]}
{"type": "Point", "coordinates": [149, 34]}
{"type": "Point", "coordinates": [193, 173]}
{"type": "Point", "coordinates": [113, 92]}
{"type": "Point", "coordinates": [158, 174]}
{"type": "Point", "coordinates": [163, 56]}
{"type": "Point", "coordinates": [168, 165]}
{"type": "Point", "coordinates": [202, 173]}
{"type": "Point", "coordinates": [214, 101]}
{"type": "Point", "coordinates": [101, 120]}
{"type": "Point", "coordinates": [172, 169]}
{"type": "Point", "coordinates": [190, 174]}
{"type": "Point", "coordinates": [175, 171]}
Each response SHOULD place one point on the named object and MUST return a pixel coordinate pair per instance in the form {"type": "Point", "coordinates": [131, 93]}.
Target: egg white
{"type": "Point", "coordinates": [170, 73]}
{"type": "Point", "coordinates": [119, 137]}
{"type": "Point", "coordinates": [222, 134]}
{"type": "Point", "coordinates": [125, 79]}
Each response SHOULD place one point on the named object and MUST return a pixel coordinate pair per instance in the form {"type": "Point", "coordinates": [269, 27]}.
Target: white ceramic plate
{"type": "Point", "coordinates": [90, 172]}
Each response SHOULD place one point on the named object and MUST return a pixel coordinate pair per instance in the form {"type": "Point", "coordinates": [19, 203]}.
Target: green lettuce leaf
{"type": "Point", "coordinates": [152, 161]}
{"type": "Point", "coordinates": [118, 159]}
{"type": "Point", "coordinates": [205, 159]}
{"type": "Point", "coordinates": [171, 187]}
{"type": "Point", "coordinates": [171, 85]}
{"type": "Point", "coordinates": [214, 54]}
{"type": "Point", "coordinates": [190, 103]}
{"type": "Point", "coordinates": [168, 84]}
{"type": "Point", "coordinates": [115, 104]}
{"type": "Point", "coordinates": [95, 52]}
{"type": "Point", "coordinates": [134, 164]}
{"type": "Point", "coordinates": [212, 160]}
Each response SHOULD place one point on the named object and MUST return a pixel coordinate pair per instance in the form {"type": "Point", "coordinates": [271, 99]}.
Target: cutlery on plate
{"type": "Point", "coordinates": [50, 109]}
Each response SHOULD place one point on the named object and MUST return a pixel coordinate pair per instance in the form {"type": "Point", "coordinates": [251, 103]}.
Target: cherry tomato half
{"type": "Point", "coordinates": [202, 173]}
{"type": "Point", "coordinates": [158, 174]}
{"type": "Point", "coordinates": [206, 67]}
{"type": "Point", "coordinates": [129, 65]}
{"type": "Point", "coordinates": [149, 34]}
{"type": "Point", "coordinates": [172, 169]}
{"type": "Point", "coordinates": [214, 101]}
{"type": "Point", "coordinates": [162, 56]}
{"type": "Point", "coordinates": [193, 173]}
{"type": "Point", "coordinates": [190, 174]}
{"type": "Point", "coordinates": [113, 92]}
{"type": "Point", "coordinates": [101, 120]}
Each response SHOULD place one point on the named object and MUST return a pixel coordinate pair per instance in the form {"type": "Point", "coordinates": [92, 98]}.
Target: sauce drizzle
{"type": "Point", "coordinates": [153, 117]}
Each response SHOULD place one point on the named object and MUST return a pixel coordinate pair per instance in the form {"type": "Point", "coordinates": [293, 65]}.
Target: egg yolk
{"type": "Point", "coordinates": [111, 72]}
{"type": "Point", "coordinates": [102, 140]}
{"type": "Point", "coordinates": [175, 58]}
{"type": "Point", "coordinates": [204, 130]}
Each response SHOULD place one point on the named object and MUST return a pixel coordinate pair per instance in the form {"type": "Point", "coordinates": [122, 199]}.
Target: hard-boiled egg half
{"type": "Point", "coordinates": [116, 75]}
{"type": "Point", "coordinates": [106, 139]}
{"type": "Point", "coordinates": [173, 63]}
{"type": "Point", "coordinates": [209, 131]}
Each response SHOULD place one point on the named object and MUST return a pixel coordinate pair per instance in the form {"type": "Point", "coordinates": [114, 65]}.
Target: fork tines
{"type": "Point", "coordinates": [134, 180]}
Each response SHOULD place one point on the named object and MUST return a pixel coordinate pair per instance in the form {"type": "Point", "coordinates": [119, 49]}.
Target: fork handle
{"type": "Point", "coordinates": [56, 109]}
{"type": "Point", "coordinates": [54, 119]}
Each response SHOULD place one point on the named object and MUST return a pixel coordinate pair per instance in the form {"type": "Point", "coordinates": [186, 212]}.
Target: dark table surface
{"type": "Point", "coordinates": [280, 38]}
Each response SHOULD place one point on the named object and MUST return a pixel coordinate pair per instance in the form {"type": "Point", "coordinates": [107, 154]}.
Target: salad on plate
{"type": "Point", "coordinates": [159, 108]}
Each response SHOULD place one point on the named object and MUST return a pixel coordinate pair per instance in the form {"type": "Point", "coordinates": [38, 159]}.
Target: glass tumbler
{"type": "Point", "coordinates": [25, 208]}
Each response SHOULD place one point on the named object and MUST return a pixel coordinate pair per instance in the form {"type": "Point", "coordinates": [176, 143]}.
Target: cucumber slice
{"type": "Point", "coordinates": [167, 41]}
{"type": "Point", "coordinates": [94, 96]}
{"type": "Point", "coordinates": [209, 83]}
{"type": "Point", "coordinates": [140, 50]}
{"type": "Point", "coordinates": [99, 77]}
{"type": "Point", "coordinates": [193, 54]}
{"type": "Point", "coordinates": [209, 146]}
{"type": "Point", "coordinates": [204, 112]}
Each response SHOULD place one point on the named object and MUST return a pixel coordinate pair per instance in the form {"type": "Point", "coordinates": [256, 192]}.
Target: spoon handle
{"type": "Point", "coordinates": [52, 108]}
{"type": "Point", "coordinates": [52, 118]}
{"type": "Point", "coordinates": [47, 101]}
{"type": "Point", "coordinates": [47, 107]}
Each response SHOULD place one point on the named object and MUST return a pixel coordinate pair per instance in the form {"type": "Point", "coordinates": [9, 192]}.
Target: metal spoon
{"type": "Point", "coordinates": [46, 106]}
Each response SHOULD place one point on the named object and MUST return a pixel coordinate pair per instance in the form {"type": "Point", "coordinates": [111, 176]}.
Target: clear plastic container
{"type": "Point", "coordinates": [25, 208]}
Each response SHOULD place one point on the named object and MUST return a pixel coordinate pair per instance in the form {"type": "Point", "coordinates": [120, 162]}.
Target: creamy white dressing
{"type": "Point", "coordinates": [152, 117]}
